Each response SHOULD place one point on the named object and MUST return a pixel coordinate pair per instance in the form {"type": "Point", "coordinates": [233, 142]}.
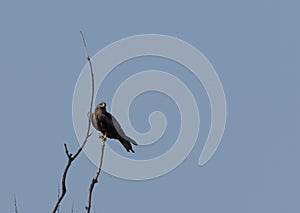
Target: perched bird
{"type": "Point", "coordinates": [106, 123]}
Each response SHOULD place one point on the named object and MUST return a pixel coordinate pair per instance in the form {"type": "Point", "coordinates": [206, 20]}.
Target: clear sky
{"type": "Point", "coordinates": [255, 49]}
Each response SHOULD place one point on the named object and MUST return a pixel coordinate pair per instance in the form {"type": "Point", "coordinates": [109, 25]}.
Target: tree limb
{"type": "Point", "coordinates": [95, 179]}
{"type": "Point", "coordinates": [70, 156]}
{"type": "Point", "coordinates": [15, 203]}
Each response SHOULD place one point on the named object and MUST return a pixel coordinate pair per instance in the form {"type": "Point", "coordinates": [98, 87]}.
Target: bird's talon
{"type": "Point", "coordinates": [103, 137]}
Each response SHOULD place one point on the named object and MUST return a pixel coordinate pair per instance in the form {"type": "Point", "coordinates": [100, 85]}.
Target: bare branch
{"type": "Point", "coordinates": [92, 98]}
{"type": "Point", "coordinates": [58, 192]}
{"type": "Point", "coordinates": [15, 203]}
{"type": "Point", "coordinates": [63, 182]}
{"type": "Point", "coordinates": [71, 157]}
{"type": "Point", "coordinates": [95, 179]}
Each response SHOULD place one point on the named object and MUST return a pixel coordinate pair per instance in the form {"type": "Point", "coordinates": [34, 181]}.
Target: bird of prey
{"type": "Point", "coordinates": [108, 125]}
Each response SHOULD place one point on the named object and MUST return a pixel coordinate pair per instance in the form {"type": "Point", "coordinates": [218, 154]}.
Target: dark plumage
{"type": "Point", "coordinates": [104, 122]}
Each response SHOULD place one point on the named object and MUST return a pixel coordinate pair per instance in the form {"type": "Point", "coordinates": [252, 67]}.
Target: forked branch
{"type": "Point", "coordinates": [70, 156]}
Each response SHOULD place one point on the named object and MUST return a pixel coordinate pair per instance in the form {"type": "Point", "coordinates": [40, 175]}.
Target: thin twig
{"type": "Point", "coordinates": [71, 157]}
{"type": "Point", "coordinates": [15, 203]}
{"type": "Point", "coordinates": [95, 179]}
{"type": "Point", "coordinates": [58, 192]}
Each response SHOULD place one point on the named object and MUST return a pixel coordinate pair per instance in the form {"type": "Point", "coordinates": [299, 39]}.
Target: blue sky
{"type": "Point", "coordinates": [254, 47]}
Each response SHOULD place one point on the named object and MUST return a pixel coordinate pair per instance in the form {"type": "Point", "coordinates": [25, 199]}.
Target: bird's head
{"type": "Point", "coordinates": [101, 106]}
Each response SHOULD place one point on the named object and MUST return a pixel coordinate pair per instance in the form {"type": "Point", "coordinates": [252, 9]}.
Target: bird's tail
{"type": "Point", "coordinates": [131, 141]}
{"type": "Point", "coordinates": [127, 144]}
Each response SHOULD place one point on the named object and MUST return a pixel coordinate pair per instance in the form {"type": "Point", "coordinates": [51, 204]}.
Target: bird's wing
{"type": "Point", "coordinates": [118, 127]}
{"type": "Point", "coordinates": [110, 122]}
{"type": "Point", "coordinates": [121, 132]}
{"type": "Point", "coordinates": [94, 122]}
